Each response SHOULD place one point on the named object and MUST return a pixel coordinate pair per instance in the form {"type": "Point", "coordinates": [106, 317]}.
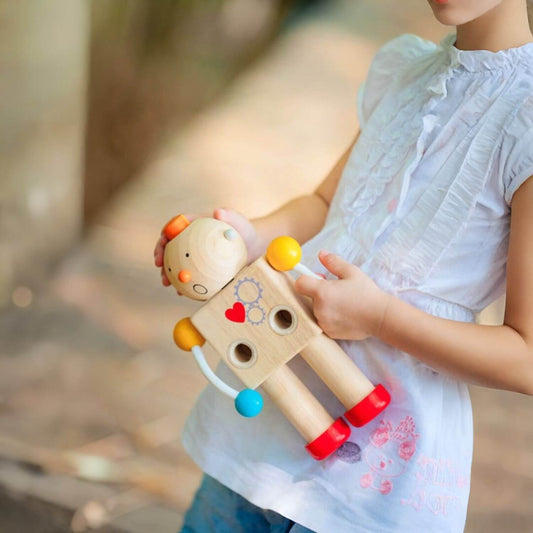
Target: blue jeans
{"type": "Point", "coordinates": [217, 509]}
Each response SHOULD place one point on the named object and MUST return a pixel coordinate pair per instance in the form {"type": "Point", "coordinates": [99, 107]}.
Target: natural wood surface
{"type": "Point", "coordinates": [209, 259]}
{"type": "Point", "coordinates": [258, 289]}
{"type": "Point", "coordinates": [297, 403]}
{"type": "Point", "coordinates": [337, 370]}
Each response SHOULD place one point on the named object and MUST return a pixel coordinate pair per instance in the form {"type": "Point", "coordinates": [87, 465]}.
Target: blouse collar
{"type": "Point", "coordinates": [479, 60]}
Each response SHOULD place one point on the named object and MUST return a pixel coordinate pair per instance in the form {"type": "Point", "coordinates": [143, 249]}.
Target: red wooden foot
{"type": "Point", "coordinates": [325, 444]}
{"type": "Point", "coordinates": [369, 407]}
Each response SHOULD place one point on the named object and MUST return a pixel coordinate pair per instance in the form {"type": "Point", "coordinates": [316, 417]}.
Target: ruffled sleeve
{"type": "Point", "coordinates": [518, 165]}
{"type": "Point", "coordinates": [388, 62]}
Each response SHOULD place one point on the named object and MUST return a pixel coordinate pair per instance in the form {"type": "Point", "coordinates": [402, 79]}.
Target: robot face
{"type": "Point", "coordinates": [204, 257]}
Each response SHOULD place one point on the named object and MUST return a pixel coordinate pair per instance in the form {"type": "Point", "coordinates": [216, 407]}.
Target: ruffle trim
{"type": "Point", "coordinates": [387, 63]}
{"type": "Point", "coordinates": [443, 210]}
{"type": "Point", "coordinates": [519, 179]}
{"type": "Point", "coordinates": [379, 153]}
{"type": "Point", "coordinates": [520, 165]}
{"type": "Point", "coordinates": [483, 60]}
{"type": "Point", "coordinates": [445, 207]}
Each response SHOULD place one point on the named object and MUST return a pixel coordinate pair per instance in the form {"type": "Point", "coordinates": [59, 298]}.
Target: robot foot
{"type": "Point", "coordinates": [369, 407]}
{"type": "Point", "coordinates": [325, 444]}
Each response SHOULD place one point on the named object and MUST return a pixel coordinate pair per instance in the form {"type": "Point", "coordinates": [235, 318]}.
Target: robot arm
{"type": "Point", "coordinates": [222, 386]}
{"type": "Point", "coordinates": [248, 402]}
{"type": "Point", "coordinates": [284, 253]}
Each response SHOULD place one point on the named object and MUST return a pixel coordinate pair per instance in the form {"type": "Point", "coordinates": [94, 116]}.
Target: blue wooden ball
{"type": "Point", "coordinates": [248, 403]}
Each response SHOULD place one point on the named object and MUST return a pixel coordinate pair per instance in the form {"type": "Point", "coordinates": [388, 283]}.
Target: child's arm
{"type": "Point", "coordinates": [300, 218]}
{"type": "Point", "coordinates": [303, 217]}
{"type": "Point", "coordinates": [353, 307]}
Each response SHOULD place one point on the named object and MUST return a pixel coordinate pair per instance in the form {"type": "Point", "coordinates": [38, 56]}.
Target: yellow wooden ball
{"type": "Point", "coordinates": [283, 253]}
{"type": "Point", "coordinates": [186, 335]}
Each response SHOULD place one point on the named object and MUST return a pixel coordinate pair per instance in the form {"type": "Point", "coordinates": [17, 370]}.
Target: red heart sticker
{"type": "Point", "coordinates": [236, 313]}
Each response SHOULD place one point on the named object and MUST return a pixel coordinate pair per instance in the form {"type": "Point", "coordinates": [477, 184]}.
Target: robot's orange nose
{"type": "Point", "coordinates": [184, 276]}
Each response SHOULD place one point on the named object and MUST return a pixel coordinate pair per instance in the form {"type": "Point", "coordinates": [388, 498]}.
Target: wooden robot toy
{"type": "Point", "coordinates": [256, 323]}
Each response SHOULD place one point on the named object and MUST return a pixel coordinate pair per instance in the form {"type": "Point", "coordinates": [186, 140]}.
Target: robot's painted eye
{"type": "Point", "coordinates": [187, 254]}
{"type": "Point", "coordinates": [169, 269]}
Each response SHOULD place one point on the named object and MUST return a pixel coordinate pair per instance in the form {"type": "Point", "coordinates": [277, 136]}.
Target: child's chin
{"type": "Point", "coordinates": [453, 13]}
{"type": "Point", "coordinates": [449, 16]}
{"type": "Point", "coordinates": [451, 21]}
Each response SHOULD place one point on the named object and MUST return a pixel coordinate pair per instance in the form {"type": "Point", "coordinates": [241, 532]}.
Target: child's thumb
{"type": "Point", "coordinates": [232, 217]}
{"type": "Point", "coordinates": [335, 264]}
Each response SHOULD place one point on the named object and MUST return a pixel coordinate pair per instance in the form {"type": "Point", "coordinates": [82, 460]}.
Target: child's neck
{"type": "Point", "coordinates": [505, 26]}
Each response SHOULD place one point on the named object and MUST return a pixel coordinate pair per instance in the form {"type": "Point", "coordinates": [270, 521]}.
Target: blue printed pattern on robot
{"type": "Point", "coordinates": [248, 291]}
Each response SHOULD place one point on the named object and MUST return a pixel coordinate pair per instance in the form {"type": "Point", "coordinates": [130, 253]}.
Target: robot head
{"type": "Point", "coordinates": [202, 256]}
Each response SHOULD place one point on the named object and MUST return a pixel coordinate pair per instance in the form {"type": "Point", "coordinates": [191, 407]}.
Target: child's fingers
{"type": "Point", "coordinates": [164, 279]}
{"type": "Point", "coordinates": [161, 243]}
{"type": "Point", "coordinates": [307, 286]}
{"type": "Point", "coordinates": [159, 250]}
{"type": "Point", "coordinates": [240, 222]}
{"type": "Point", "coordinates": [220, 213]}
{"type": "Point", "coordinates": [335, 264]}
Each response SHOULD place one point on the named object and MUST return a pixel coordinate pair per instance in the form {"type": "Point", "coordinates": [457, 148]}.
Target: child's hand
{"type": "Point", "coordinates": [159, 253]}
{"type": "Point", "coordinates": [351, 307]}
{"type": "Point", "coordinates": [246, 229]}
{"type": "Point", "coordinates": [231, 217]}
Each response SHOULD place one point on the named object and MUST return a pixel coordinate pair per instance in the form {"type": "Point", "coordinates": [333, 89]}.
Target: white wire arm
{"type": "Point", "coordinates": [210, 375]}
{"type": "Point", "coordinates": [302, 269]}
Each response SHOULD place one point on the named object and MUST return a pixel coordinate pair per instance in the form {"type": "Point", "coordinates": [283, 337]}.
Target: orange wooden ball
{"type": "Point", "coordinates": [186, 335]}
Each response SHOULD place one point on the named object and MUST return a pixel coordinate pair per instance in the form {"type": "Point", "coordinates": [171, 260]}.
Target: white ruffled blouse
{"type": "Point", "coordinates": [447, 138]}
{"type": "Point", "coordinates": [423, 207]}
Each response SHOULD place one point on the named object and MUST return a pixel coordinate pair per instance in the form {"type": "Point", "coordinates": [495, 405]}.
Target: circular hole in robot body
{"type": "Point", "coordinates": [242, 354]}
{"type": "Point", "coordinates": [282, 320]}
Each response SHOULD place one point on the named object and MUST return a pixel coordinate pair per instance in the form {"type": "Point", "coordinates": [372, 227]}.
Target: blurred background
{"type": "Point", "coordinates": [115, 116]}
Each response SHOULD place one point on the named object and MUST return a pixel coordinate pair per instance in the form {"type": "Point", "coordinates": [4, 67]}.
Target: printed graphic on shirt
{"type": "Point", "coordinates": [388, 453]}
{"type": "Point", "coordinates": [441, 487]}
{"type": "Point", "coordinates": [349, 452]}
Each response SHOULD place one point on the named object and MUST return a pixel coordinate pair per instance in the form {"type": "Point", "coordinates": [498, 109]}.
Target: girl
{"type": "Point", "coordinates": [422, 217]}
